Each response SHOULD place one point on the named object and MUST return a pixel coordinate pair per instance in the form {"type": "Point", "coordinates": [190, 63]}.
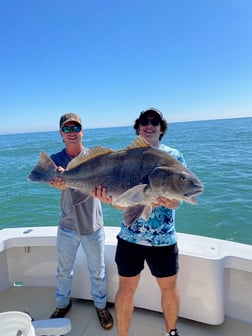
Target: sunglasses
{"type": "Point", "coordinates": [68, 129]}
{"type": "Point", "coordinates": [148, 121]}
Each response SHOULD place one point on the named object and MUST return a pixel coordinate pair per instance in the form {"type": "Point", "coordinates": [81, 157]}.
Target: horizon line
{"type": "Point", "coordinates": [115, 126]}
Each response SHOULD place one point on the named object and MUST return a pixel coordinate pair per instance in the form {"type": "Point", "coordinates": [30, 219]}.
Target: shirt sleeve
{"type": "Point", "coordinates": [175, 153]}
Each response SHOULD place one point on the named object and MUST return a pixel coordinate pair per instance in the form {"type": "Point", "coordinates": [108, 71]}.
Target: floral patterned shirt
{"type": "Point", "coordinates": [159, 228]}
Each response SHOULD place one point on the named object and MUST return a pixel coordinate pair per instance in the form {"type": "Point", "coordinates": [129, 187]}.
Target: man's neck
{"type": "Point", "coordinates": [73, 151]}
{"type": "Point", "coordinates": [153, 143]}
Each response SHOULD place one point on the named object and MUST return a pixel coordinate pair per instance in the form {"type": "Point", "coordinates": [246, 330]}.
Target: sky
{"type": "Point", "coordinates": [108, 60]}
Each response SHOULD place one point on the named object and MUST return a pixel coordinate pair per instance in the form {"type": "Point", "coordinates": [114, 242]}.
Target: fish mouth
{"type": "Point", "coordinates": [192, 195]}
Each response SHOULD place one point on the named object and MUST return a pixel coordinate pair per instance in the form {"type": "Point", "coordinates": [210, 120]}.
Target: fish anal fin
{"type": "Point", "coordinates": [78, 196]}
{"type": "Point", "coordinates": [132, 214]}
{"type": "Point", "coordinates": [146, 212]}
{"type": "Point", "coordinates": [90, 154]}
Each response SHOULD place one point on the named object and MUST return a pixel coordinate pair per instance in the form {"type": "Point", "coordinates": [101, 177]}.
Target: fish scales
{"type": "Point", "coordinates": [117, 171]}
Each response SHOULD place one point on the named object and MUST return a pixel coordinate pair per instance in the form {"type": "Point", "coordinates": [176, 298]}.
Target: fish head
{"type": "Point", "coordinates": [174, 183]}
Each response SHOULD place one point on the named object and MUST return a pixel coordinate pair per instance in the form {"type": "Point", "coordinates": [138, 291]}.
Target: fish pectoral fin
{"type": "Point", "coordinates": [132, 196]}
{"type": "Point", "coordinates": [78, 196]}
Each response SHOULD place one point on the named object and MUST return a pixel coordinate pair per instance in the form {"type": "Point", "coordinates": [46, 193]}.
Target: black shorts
{"type": "Point", "coordinates": [130, 257]}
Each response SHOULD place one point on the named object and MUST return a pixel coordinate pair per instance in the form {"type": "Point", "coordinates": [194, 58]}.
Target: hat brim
{"type": "Point", "coordinates": [152, 111]}
{"type": "Point", "coordinates": [70, 120]}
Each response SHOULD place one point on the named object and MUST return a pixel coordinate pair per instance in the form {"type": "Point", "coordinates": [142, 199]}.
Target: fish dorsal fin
{"type": "Point", "coordinates": [139, 142]}
{"type": "Point", "coordinates": [88, 155]}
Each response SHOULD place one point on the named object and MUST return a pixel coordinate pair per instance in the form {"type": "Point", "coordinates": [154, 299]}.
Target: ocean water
{"type": "Point", "coordinates": [219, 152]}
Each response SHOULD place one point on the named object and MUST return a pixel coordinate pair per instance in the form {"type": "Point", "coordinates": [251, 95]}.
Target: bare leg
{"type": "Point", "coordinates": [170, 300]}
{"type": "Point", "coordinates": [124, 303]}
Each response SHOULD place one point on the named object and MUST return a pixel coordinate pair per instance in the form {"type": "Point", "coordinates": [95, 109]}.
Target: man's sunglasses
{"type": "Point", "coordinates": [147, 121]}
{"type": "Point", "coordinates": [68, 129]}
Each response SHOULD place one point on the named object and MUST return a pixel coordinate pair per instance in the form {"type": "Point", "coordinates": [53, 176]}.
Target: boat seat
{"type": "Point", "coordinates": [52, 327]}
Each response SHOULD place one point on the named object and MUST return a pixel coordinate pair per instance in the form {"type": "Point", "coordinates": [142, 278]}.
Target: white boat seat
{"type": "Point", "coordinates": [52, 327]}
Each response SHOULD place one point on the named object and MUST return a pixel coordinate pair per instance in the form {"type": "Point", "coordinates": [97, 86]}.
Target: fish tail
{"type": "Point", "coordinates": [44, 171]}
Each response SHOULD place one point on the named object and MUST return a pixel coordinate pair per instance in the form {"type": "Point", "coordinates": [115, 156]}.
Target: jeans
{"type": "Point", "coordinates": [68, 242]}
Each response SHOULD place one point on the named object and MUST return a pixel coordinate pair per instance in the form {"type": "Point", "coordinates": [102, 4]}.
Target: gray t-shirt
{"type": "Point", "coordinates": [85, 217]}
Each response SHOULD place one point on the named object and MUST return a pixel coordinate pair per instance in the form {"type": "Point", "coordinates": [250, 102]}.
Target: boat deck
{"type": "Point", "coordinates": [40, 302]}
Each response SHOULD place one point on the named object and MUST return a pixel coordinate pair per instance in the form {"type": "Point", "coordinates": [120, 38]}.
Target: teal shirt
{"type": "Point", "coordinates": [159, 228]}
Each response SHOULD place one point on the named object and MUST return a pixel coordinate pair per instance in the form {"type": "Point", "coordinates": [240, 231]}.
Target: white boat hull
{"type": "Point", "coordinates": [215, 278]}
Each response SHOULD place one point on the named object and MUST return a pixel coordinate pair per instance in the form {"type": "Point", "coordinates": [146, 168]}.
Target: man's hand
{"type": "Point", "coordinates": [101, 193]}
{"type": "Point", "coordinates": [166, 202]}
{"type": "Point", "coordinates": [58, 181]}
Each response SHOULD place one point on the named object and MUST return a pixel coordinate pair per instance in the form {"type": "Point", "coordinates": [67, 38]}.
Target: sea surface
{"type": "Point", "coordinates": [219, 152]}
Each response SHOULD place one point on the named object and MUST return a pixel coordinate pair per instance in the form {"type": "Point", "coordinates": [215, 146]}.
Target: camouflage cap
{"type": "Point", "coordinates": [152, 110]}
{"type": "Point", "coordinates": [69, 117]}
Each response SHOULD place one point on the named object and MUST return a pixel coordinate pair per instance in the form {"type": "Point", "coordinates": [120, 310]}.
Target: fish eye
{"type": "Point", "coordinates": [182, 178]}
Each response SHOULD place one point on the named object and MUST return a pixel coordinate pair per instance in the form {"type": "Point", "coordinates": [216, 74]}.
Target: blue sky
{"type": "Point", "coordinates": [107, 60]}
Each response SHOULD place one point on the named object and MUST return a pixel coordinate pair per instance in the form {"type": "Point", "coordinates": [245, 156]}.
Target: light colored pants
{"type": "Point", "coordinates": [68, 242]}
